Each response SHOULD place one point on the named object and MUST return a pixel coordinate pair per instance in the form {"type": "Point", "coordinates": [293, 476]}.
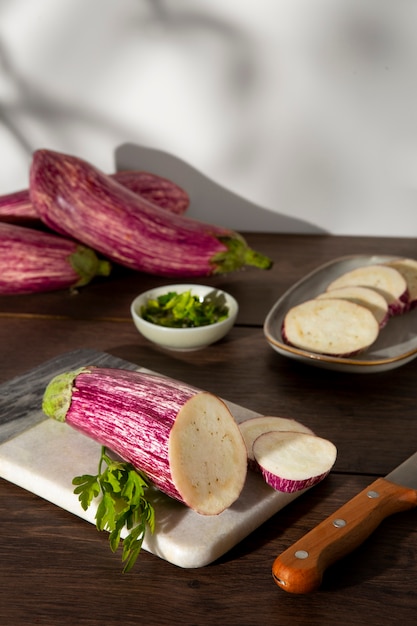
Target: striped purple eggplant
{"type": "Point", "coordinates": [155, 189]}
{"type": "Point", "coordinates": [74, 198]}
{"type": "Point", "coordinates": [17, 205]}
{"type": "Point", "coordinates": [185, 440]}
{"type": "Point", "coordinates": [35, 261]}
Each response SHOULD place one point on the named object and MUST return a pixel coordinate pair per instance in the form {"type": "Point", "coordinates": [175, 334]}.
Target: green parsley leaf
{"type": "Point", "coordinates": [88, 488]}
{"type": "Point", "coordinates": [123, 504]}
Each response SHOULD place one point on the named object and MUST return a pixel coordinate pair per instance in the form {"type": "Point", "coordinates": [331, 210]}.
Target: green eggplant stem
{"type": "Point", "coordinates": [58, 394]}
{"type": "Point", "coordinates": [85, 262]}
{"type": "Point", "coordinates": [237, 255]}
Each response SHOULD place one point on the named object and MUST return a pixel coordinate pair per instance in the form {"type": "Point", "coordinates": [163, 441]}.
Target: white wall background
{"type": "Point", "coordinates": [305, 107]}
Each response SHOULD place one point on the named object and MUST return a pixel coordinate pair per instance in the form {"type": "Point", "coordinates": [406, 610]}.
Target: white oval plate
{"type": "Point", "coordinates": [395, 346]}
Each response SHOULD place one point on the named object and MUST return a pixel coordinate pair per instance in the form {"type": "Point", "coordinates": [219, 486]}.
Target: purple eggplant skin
{"type": "Point", "coordinates": [74, 198]}
{"type": "Point", "coordinates": [33, 261]}
{"type": "Point", "coordinates": [17, 206]}
{"type": "Point", "coordinates": [158, 190]}
{"type": "Point", "coordinates": [131, 413]}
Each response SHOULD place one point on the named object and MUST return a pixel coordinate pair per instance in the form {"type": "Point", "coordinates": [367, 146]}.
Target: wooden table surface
{"type": "Point", "coordinates": [56, 569]}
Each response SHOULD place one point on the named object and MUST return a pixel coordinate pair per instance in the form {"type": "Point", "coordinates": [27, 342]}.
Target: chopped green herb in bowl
{"type": "Point", "coordinates": [184, 317]}
{"type": "Point", "coordinates": [185, 310]}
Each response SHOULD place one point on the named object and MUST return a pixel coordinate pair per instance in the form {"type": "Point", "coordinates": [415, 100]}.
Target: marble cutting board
{"type": "Point", "coordinates": [42, 456]}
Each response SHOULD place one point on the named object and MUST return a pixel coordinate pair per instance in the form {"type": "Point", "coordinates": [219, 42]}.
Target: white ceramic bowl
{"type": "Point", "coordinates": [183, 338]}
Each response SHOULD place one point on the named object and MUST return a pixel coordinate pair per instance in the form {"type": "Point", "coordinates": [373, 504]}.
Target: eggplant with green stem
{"type": "Point", "coordinates": [35, 261]}
{"type": "Point", "coordinates": [73, 197]}
{"type": "Point", "coordinates": [186, 441]}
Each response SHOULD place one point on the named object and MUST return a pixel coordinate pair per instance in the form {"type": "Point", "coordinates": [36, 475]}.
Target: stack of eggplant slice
{"type": "Point", "coordinates": [347, 318]}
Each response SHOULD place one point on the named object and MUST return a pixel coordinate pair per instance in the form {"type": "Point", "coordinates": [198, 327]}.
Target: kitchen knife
{"type": "Point", "coordinates": [301, 567]}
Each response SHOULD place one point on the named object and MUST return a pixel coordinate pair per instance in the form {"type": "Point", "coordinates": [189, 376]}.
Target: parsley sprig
{"type": "Point", "coordinates": [123, 504]}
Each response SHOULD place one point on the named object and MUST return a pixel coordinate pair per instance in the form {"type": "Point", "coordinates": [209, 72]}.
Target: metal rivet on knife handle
{"type": "Point", "coordinates": [301, 554]}
{"type": "Point", "coordinates": [339, 523]}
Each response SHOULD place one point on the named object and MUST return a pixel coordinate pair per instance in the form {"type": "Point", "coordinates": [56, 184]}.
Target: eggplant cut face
{"type": "Point", "coordinates": [332, 327]}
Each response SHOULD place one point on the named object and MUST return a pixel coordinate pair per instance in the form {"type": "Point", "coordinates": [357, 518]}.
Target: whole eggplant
{"type": "Point", "coordinates": [34, 261]}
{"type": "Point", "coordinates": [160, 191]}
{"type": "Point", "coordinates": [73, 197]}
{"type": "Point", "coordinates": [17, 206]}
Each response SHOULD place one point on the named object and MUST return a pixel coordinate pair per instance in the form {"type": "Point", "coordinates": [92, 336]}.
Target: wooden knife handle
{"type": "Point", "coordinates": [301, 567]}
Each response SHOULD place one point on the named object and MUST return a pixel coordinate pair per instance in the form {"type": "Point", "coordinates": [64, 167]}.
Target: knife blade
{"type": "Point", "coordinates": [300, 568]}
